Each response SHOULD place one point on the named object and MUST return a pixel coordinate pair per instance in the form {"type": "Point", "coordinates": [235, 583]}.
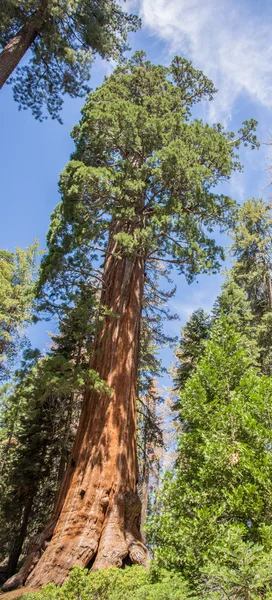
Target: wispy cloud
{"type": "Point", "coordinates": [222, 37]}
{"type": "Point", "coordinates": [195, 299]}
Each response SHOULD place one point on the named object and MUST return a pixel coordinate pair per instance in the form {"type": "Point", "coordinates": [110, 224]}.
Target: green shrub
{"type": "Point", "coordinates": [241, 571]}
{"type": "Point", "coordinates": [132, 583]}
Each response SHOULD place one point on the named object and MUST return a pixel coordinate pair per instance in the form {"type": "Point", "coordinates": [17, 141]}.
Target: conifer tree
{"type": "Point", "coordinates": [190, 347]}
{"type": "Point", "coordinates": [252, 249]}
{"type": "Point", "coordinates": [18, 271]}
{"type": "Point", "coordinates": [246, 295]}
{"type": "Point", "coordinates": [139, 189]}
{"type": "Point", "coordinates": [152, 338]}
{"type": "Point", "coordinates": [220, 494]}
{"type": "Point", "coordinates": [63, 38]}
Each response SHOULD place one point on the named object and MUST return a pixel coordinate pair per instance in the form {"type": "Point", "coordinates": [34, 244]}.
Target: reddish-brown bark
{"type": "Point", "coordinates": [40, 541]}
{"type": "Point", "coordinates": [99, 522]}
{"type": "Point", "coordinates": [19, 593]}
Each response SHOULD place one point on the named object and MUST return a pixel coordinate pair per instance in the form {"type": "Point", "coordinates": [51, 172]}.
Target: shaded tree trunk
{"type": "Point", "coordinates": [144, 495]}
{"type": "Point", "coordinates": [145, 467]}
{"type": "Point", "coordinates": [64, 457]}
{"type": "Point", "coordinates": [100, 511]}
{"type": "Point", "coordinates": [269, 289]}
{"type": "Point", "coordinates": [20, 538]}
{"type": "Point", "coordinates": [18, 46]}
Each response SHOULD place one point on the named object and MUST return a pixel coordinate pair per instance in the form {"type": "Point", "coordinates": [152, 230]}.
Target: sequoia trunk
{"type": "Point", "coordinates": [99, 524]}
{"type": "Point", "coordinates": [17, 47]}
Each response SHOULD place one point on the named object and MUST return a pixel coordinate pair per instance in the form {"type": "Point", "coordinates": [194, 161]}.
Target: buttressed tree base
{"type": "Point", "coordinates": [139, 189]}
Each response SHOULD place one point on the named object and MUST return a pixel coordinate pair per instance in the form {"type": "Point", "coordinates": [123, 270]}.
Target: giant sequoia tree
{"type": "Point", "coordinates": [140, 188]}
{"type": "Point", "coordinates": [63, 38]}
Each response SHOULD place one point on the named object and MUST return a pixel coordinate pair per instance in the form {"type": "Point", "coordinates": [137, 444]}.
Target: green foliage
{"type": "Point", "coordinates": [134, 583]}
{"type": "Point", "coordinates": [240, 571]}
{"type": "Point", "coordinates": [144, 175]}
{"type": "Point", "coordinates": [190, 348]}
{"type": "Point", "coordinates": [18, 271]}
{"type": "Point", "coordinates": [223, 472]}
{"type": "Point", "coordinates": [252, 249]}
{"type": "Point", "coordinates": [246, 297]}
{"type": "Point", "coordinates": [145, 171]}
{"type": "Point", "coordinates": [70, 34]}
{"type": "Point", "coordinates": [251, 272]}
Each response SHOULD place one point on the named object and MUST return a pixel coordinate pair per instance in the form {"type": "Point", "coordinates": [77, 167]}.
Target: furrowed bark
{"type": "Point", "coordinates": [40, 541]}
{"type": "Point", "coordinates": [99, 523]}
{"type": "Point", "coordinates": [17, 47]}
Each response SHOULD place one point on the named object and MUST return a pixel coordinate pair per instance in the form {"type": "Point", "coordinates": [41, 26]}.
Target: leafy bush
{"type": "Point", "coordinates": [241, 571]}
{"type": "Point", "coordinates": [133, 583]}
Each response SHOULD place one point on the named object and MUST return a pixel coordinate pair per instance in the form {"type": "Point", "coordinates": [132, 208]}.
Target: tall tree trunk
{"type": "Point", "coordinates": [17, 47]}
{"type": "Point", "coordinates": [145, 465]}
{"type": "Point", "coordinates": [65, 442]}
{"type": "Point", "coordinates": [99, 523]}
{"type": "Point", "coordinates": [20, 538]}
{"type": "Point", "coordinates": [144, 495]}
{"type": "Point", "coordinates": [269, 288]}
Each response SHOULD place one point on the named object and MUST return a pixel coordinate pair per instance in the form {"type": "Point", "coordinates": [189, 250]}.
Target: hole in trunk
{"type": "Point", "coordinates": [91, 562]}
{"type": "Point", "coordinates": [126, 562]}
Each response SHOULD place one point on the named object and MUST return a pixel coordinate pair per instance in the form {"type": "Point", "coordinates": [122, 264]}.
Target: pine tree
{"type": "Point", "coordinates": [139, 188]}
{"type": "Point", "coordinates": [221, 489]}
{"type": "Point", "coordinates": [63, 37]}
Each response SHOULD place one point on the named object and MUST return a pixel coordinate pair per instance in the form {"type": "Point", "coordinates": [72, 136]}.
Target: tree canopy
{"type": "Point", "coordinates": [64, 38]}
{"type": "Point", "coordinates": [221, 489]}
{"type": "Point", "coordinates": [138, 199]}
{"type": "Point", "coordinates": [18, 272]}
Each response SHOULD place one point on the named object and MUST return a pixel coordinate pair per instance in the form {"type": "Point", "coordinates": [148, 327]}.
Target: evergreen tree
{"type": "Point", "coordinates": [152, 337]}
{"type": "Point", "coordinates": [252, 249]}
{"type": "Point", "coordinates": [149, 443]}
{"type": "Point", "coordinates": [220, 493]}
{"type": "Point", "coordinates": [139, 189]}
{"type": "Point", "coordinates": [63, 37]}
{"type": "Point", "coordinates": [245, 297]}
{"type": "Point", "coordinates": [190, 347]}
{"type": "Point", "coordinates": [18, 271]}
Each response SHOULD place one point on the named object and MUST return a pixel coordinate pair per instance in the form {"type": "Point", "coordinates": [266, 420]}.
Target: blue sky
{"type": "Point", "coordinates": [230, 41]}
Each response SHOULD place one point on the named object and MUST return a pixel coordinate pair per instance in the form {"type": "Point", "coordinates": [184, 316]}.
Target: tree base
{"type": "Point", "coordinates": [96, 544]}
{"type": "Point", "coordinates": [35, 550]}
{"type": "Point", "coordinates": [116, 541]}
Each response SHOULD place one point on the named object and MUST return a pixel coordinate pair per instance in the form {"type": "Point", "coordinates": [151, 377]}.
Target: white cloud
{"type": "Point", "coordinates": [204, 298]}
{"type": "Point", "coordinates": [223, 38]}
